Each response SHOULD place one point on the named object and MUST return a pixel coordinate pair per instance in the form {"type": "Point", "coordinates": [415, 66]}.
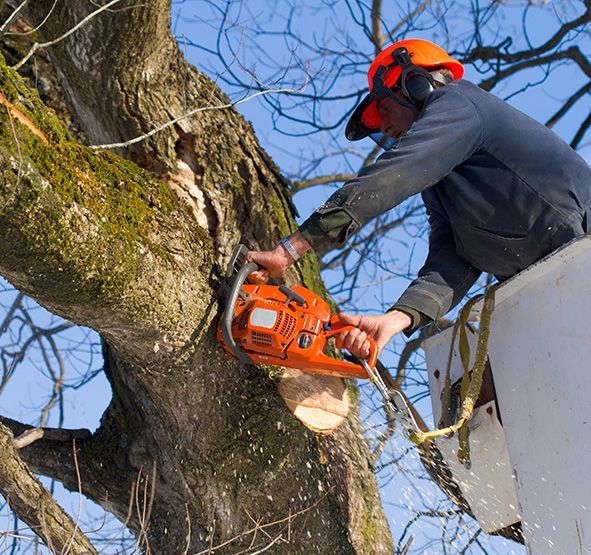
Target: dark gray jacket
{"type": "Point", "coordinates": [501, 191]}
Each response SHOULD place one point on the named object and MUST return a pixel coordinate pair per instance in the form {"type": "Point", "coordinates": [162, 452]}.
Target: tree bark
{"type": "Point", "coordinates": [194, 447]}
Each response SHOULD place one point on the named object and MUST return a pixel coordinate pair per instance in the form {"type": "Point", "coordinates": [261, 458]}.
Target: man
{"type": "Point", "coordinates": [501, 190]}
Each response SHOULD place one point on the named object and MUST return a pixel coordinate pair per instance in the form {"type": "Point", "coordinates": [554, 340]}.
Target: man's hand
{"type": "Point", "coordinates": [380, 328]}
{"type": "Point", "coordinates": [275, 263]}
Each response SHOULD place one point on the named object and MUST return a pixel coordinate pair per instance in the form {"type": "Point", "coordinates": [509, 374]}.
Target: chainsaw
{"type": "Point", "coordinates": [291, 327]}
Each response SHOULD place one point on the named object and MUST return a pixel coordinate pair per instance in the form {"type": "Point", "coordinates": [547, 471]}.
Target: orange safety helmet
{"type": "Point", "coordinates": [403, 66]}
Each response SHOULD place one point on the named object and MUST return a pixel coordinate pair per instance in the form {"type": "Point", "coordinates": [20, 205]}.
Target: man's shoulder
{"type": "Point", "coordinates": [488, 106]}
{"type": "Point", "coordinates": [457, 93]}
{"type": "Point", "coordinates": [467, 89]}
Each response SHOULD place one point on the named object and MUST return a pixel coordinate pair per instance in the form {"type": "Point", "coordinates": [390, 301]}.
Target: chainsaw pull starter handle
{"type": "Point", "coordinates": [338, 327]}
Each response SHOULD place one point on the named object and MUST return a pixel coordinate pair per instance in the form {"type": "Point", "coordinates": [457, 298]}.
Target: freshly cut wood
{"type": "Point", "coordinates": [321, 403]}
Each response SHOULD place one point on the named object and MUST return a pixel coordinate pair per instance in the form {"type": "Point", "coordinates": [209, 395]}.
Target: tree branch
{"type": "Point", "coordinates": [376, 25]}
{"type": "Point", "coordinates": [32, 434]}
{"type": "Point", "coordinates": [569, 104]}
{"type": "Point", "coordinates": [322, 180]}
{"type": "Point", "coordinates": [488, 53]}
{"type": "Point", "coordinates": [581, 132]}
{"type": "Point", "coordinates": [572, 53]}
{"type": "Point", "coordinates": [34, 505]}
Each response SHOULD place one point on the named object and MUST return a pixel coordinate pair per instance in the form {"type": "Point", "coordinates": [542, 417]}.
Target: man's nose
{"type": "Point", "coordinates": [385, 125]}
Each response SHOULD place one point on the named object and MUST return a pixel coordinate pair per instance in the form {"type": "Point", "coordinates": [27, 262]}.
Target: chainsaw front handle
{"type": "Point", "coordinates": [237, 281]}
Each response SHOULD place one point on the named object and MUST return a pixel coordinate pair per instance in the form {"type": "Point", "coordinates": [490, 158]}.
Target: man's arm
{"type": "Point", "coordinates": [446, 133]}
{"type": "Point", "coordinates": [442, 282]}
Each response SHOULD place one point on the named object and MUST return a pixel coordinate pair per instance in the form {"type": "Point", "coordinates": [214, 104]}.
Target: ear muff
{"type": "Point", "coordinates": [417, 84]}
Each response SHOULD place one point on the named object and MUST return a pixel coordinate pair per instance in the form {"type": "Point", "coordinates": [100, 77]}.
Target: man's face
{"type": "Point", "coordinates": [396, 119]}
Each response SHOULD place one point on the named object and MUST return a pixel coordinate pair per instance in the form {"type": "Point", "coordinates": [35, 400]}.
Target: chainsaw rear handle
{"type": "Point", "coordinates": [338, 327]}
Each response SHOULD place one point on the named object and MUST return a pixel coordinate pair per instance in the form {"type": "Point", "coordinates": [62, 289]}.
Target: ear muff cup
{"type": "Point", "coordinates": [419, 85]}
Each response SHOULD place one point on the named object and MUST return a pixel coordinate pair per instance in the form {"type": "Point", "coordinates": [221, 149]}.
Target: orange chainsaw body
{"type": "Point", "coordinates": [272, 327]}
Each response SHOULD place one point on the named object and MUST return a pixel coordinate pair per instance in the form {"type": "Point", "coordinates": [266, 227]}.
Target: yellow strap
{"type": "Point", "coordinates": [471, 397]}
{"type": "Point", "coordinates": [470, 388]}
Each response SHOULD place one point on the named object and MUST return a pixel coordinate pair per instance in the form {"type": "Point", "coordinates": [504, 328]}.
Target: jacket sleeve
{"type": "Point", "coordinates": [446, 133]}
{"type": "Point", "coordinates": [442, 282]}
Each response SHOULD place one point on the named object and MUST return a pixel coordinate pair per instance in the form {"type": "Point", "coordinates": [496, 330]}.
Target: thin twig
{"type": "Point", "coordinates": [268, 525]}
{"type": "Point", "coordinates": [11, 17]}
{"type": "Point", "coordinates": [68, 545]}
{"type": "Point", "coordinates": [322, 180]}
{"type": "Point", "coordinates": [31, 31]}
{"type": "Point", "coordinates": [83, 22]}
{"type": "Point", "coordinates": [194, 112]}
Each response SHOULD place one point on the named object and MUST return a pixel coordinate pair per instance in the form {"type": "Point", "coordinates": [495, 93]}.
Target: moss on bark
{"type": "Point", "coordinates": [88, 223]}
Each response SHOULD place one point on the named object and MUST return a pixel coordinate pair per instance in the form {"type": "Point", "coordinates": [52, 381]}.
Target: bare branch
{"type": "Point", "coordinates": [569, 104]}
{"type": "Point", "coordinates": [581, 132]}
{"type": "Point", "coordinates": [12, 16]}
{"type": "Point", "coordinates": [572, 53]}
{"type": "Point", "coordinates": [192, 113]}
{"type": "Point", "coordinates": [412, 15]}
{"type": "Point", "coordinates": [323, 180]}
{"type": "Point", "coordinates": [285, 520]}
{"type": "Point", "coordinates": [31, 31]}
{"type": "Point", "coordinates": [376, 25]}
{"type": "Point", "coordinates": [34, 504]}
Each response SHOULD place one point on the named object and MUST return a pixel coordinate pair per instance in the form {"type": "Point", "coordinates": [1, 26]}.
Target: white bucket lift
{"type": "Point", "coordinates": [536, 466]}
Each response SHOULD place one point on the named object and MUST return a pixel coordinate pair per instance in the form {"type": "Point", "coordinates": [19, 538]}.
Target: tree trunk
{"type": "Point", "coordinates": [201, 444]}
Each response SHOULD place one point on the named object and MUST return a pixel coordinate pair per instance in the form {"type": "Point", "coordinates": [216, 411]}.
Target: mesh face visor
{"type": "Point", "coordinates": [356, 129]}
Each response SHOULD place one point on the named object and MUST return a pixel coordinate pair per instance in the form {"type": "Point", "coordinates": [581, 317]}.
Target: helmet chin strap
{"type": "Point", "coordinates": [407, 104]}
